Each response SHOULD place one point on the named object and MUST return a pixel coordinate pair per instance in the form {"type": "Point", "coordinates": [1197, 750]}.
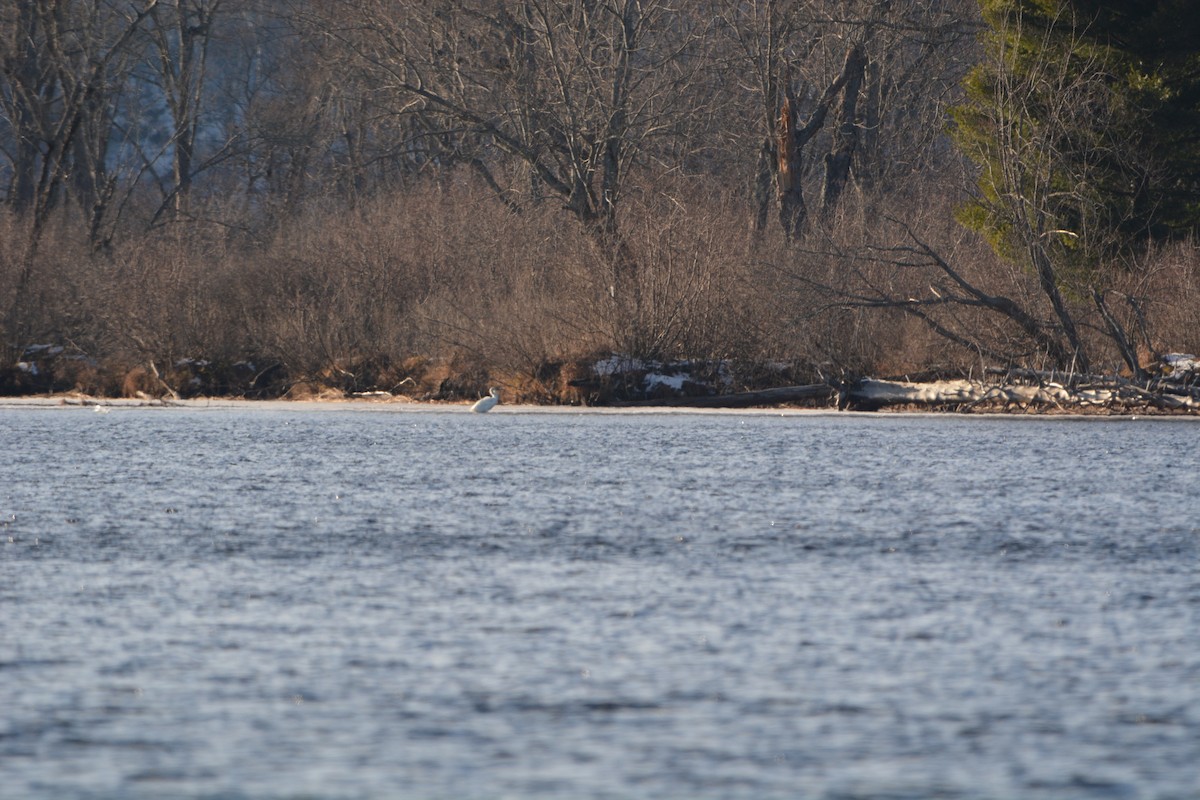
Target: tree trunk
{"type": "Point", "coordinates": [1076, 358]}
{"type": "Point", "coordinates": [845, 139]}
{"type": "Point", "coordinates": [792, 211]}
{"type": "Point", "coordinates": [26, 87]}
{"type": "Point", "coordinates": [762, 186]}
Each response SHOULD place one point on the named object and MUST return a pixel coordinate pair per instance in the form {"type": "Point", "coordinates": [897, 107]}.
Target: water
{"type": "Point", "coordinates": [286, 603]}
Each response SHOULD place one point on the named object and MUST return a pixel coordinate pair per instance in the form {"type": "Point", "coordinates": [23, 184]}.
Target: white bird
{"type": "Point", "coordinates": [486, 404]}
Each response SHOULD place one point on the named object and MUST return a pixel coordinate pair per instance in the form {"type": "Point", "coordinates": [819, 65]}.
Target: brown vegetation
{"type": "Point", "coordinates": [378, 216]}
{"type": "Point", "coordinates": [442, 302]}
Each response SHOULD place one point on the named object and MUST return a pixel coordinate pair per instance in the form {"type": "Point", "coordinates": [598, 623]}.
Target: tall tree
{"type": "Point", "coordinates": [1083, 120]}
{"type": "Point", "coordinates": [181, 31]}
{"type": "Point", "coordinates": [575, 92]}
{"type": "Point", "coordinates": [1154, 66]}
{"type": "Point", "coordinates": [63, 64]}
{"type": "Point", "coordinates": [63, 67]}
{"type": "Point", "coordinates": [1099, 100]}
{"type": "Point", "coordinates": [853, 88]}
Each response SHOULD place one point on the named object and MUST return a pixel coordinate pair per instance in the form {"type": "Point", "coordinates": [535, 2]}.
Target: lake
{"type": "Point", "coordinates": [253, 602]}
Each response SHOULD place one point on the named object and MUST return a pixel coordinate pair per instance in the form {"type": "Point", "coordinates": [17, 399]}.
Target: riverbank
{"type": "Point", "coordinates": [1171, 385]}
{"type": "Point", "coordinates": [404, 405]}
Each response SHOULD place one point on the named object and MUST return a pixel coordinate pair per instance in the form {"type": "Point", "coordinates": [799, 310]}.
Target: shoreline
{"type": "Point", "coordinates": [404, 405]}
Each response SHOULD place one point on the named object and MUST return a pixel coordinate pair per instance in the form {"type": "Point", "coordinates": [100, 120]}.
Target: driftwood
{"type": "Point", "coordinates": [965, 395]}
{"type": "Point", "coordinates": [1088, 392]}
{"type": "Point", "coordinates": [764, 397]}
{"type": "Point", "coordinates": [1170, 384]}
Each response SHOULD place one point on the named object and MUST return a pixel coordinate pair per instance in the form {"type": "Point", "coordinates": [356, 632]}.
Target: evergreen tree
{"type": "Point", "coordinates": [1085, 121]}
{"type": "Point", "coordinates": [1155, 49]}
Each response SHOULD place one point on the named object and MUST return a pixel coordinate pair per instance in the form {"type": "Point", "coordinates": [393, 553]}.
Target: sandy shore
{"type": "Point", "coordinates": [394, 404]}
{"type": "Point", "coordinates": [75, 402]}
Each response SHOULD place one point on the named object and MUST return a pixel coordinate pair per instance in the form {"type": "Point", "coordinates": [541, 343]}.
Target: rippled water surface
{"type": "Point", "coordinates": [375, 603]}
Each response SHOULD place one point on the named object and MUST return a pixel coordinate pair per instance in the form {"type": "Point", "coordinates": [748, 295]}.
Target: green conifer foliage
{"type": "Point", "coordinates": [1085, 122]}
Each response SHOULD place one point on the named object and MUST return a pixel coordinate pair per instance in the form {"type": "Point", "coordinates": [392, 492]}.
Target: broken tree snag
{"type": "Point", "coordinates": [791, 194]}
{"type": "Point", "coordinates": [764, 397]}
{"type": "Point", "coordinates": [792, 139]}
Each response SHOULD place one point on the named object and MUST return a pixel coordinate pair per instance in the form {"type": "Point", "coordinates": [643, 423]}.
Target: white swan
{"type": "Point", "coordinates": [486, 404]}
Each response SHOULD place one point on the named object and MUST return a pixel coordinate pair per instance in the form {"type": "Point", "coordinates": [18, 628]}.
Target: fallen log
{"type": "Point", "coordinates": [762, 397]}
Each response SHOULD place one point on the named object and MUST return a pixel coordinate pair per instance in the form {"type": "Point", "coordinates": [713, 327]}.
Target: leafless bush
{"type": "Point", "coordinates": [327, 295]}
{"type": "Point", "coordinates": [44, 293]}
{"type": "Point", "coordinates": [11, 253]}
{"type": "Point", "coordinates": [1159, 301]}
{"type": "Point", "coordinates": [439, 289]}
{"type": "Point", "coordinates": [891, 284]}
{"type": "Point", "coordinates": [512, 290]}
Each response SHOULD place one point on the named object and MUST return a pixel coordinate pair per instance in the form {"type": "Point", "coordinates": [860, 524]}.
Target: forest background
{"type": "Point", "coordinates": [250, 198]}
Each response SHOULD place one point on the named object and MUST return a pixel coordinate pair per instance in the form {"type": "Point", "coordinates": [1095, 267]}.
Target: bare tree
{"type": "Point", "coordinates": [1040, 125]}
{"type": "Point", "coordinates": [769, 40]}
{"type": "Point", "coordinates": [62, 66]}
{"type": "Point", "coordinates": [574, 91]}
{"type": "Point", "coordinates": [795, 135]}
{"type": "Point", "coordinates": [62, 71]}
{"type": "Point", "coordinates": [319, 126]}
{"type": "Point", "coordinates": [839, 85]}
{"type": "Point", "coordinates": [29, 87]}
{"type": "Point", "coordinates": [181, 32]}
